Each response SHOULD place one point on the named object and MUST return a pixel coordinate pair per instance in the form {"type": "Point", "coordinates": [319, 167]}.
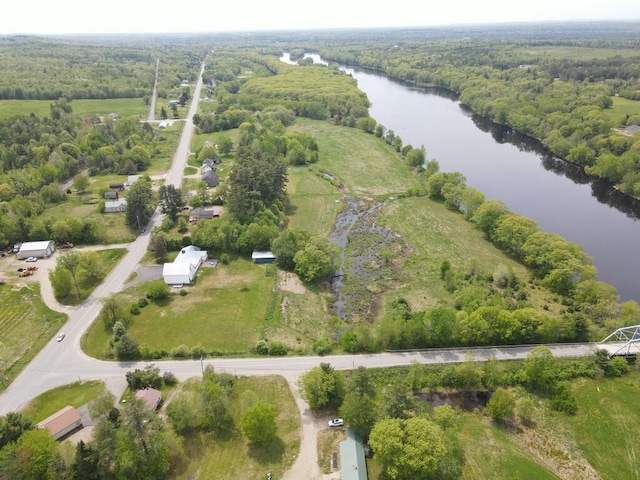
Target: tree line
{"type": "Point", "coordinates": [564, 103]}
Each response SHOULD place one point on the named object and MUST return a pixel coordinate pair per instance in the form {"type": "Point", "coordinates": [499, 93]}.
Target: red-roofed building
{"type": "Point", "coordinates": [151, 396]}
{"type": "Point", "coordinates": [62, 422]}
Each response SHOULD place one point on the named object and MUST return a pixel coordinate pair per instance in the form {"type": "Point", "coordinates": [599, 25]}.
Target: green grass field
{"type": "Point", "coordinates": [75, 395]}
{"type": "Point", "coordinates": [224, 311]}
{"type": "Point", "coordinates": [315, 202]}
{"type": "Point", "coordinates": [606, 427]}
{"type": "Point", "coordinates": [26, 325]}
{"type": "Point", "coordinates": [364, 164]}
{"type": "Point", "coordinates": [621, 108]}
{"type": "Point", "coordinates": [124, 107]}
{"type": "Point", "coordinates": [232, 458]}
{"type": "Point", "coordinates": [435, 234]}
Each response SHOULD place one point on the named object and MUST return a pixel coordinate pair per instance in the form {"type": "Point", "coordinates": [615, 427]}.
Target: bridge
{"type": "Point", "coordinates": [623, 342]}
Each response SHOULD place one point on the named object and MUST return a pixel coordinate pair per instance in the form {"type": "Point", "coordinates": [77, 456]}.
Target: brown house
{"type": "Point", "coordinates": [62, 422]}
{"type": "Point", "coordinates": [151, 397]}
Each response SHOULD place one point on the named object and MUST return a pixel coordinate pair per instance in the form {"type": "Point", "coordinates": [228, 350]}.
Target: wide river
{"type": "Point", "coordinates": [516, 170]}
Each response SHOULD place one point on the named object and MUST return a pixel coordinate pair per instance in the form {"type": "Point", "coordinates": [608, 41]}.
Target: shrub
{"type": "Point", "coordinates": [183, 292]}
{"type": "Point", "coordinates": [262, 347]}
{"type": "Point", "coordinates": [158, 290]}
{"type": "Point", "coordinates": [618, 367]}
{"type": "Point", "coordinates": [181, 351]}
{"type": "Point", "coordinates": [142, 302]}
{"type": "Point", "coordinates": [198, 351]}
{"type": "Point", "coordinates": [169, 378]}
{"type": "Point", "coordinates": [277, 349]}
{"type": "Point", "coordinates": [225, 259]}
{"type": "Point", "coordinates": [135, 310]}
{"type": "Point", "coordinates": [323, 346]}
{"type": "Point", "coordinates": [564, 401]}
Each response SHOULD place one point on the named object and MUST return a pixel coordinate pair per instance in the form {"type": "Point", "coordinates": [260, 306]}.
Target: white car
{"type": "Point", "coordinates": [31, 259]}
{"type": "Point", "coordinates": [336, 422]}
{"type": "Point", "coordinates": [60, 337]}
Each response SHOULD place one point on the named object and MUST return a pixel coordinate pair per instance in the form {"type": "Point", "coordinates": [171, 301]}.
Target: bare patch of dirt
{"type": "Point", "coordinates": [289, 282]}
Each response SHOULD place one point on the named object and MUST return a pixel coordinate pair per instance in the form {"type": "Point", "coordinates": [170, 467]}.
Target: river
{"type": "Point", "coordinates": [516, 170]}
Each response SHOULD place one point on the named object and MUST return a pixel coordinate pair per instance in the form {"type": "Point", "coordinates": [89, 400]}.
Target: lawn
{"type": "Point", "coordinates": [362, 163]}
{"type": "Point", "coordinates": [75, 394]}
{"type": "Point", "coordinates": [232, 458]}
{"type": "Point", "coordinates": [26, 325]}
{"type": "Point", "coordinates": [223, 311]}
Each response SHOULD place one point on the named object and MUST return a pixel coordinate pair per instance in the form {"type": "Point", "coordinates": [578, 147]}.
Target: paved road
{"type": "Point", "coordinates": [152, 107]}
{"type": "Point", "coordinates": [59, 363]}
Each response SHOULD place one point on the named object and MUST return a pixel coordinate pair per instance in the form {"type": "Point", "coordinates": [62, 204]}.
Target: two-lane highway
{"type": "Point", "coordinates": [59, 363]}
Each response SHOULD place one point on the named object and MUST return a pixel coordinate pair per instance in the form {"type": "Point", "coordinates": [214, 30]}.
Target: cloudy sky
{"type": "Point", "coordinates": [142, 16]}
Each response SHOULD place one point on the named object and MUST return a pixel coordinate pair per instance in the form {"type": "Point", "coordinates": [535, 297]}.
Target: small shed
{"type": "Point", "coordinates": [111, 195]}
{"type": "Point", "coordinates": [41, 249]}
{"type": "Point", "coordinates": [62, 422]}
{"type": "Point", "coordinates": [263, 257]}
{"type": "Point", "coordinates": [173, 102]}
{"type": "Point", "coordinates": [352, 462]}
{"type": "Point", "coordinates": [150, 396]}
{"type": "Point", "coordinates": [117, 186]}
{"type": "Point", "coordinates": [114, 206]}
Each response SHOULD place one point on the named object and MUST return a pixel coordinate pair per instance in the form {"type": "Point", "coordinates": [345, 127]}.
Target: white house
{"type": "Point", "coordinates": [36, 249]}
{"type": "Point", "coordinates": [184, 268]}
{"type": "Point", "coordinates": [119, 205]}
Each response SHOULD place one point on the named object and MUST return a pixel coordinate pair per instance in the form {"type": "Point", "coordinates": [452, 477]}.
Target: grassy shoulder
{"type": "Point", "coordinates": [74, 394]}
{"type": "Point", "coordinates": [107, 259]}
{"type": "Point", "coordinates": [26, 325]}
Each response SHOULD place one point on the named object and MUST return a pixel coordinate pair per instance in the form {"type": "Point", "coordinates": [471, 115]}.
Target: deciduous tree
{"type": "Point", "coordinates": [259, 423]}
{"type": "Point", "coordinates": [411, 448]}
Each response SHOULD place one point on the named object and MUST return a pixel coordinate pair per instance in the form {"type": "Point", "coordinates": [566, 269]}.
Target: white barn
{"type": "Point", "coordinates": [184, 268]}
{"type": "Point", "coordinates": [36, 249]}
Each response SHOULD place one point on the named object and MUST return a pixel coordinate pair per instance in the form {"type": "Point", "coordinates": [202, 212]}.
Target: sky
{"type": "Point", "coordinates": [144, 16]}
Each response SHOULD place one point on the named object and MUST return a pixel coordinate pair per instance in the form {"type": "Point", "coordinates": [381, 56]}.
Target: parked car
{"type": "Point", "coordinates": [336, 422]}
{"type": "Point", "coordinates": [31, 259]}
{"type": "Point", "coordinates": [60, 337]}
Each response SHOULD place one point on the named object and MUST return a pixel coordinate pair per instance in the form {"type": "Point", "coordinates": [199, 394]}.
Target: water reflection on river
{"type": "Point", "coordinates": [512, 168]}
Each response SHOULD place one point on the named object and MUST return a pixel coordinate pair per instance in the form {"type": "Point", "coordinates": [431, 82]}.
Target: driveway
{"type": "Point", "coordinates": [144, 273]}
